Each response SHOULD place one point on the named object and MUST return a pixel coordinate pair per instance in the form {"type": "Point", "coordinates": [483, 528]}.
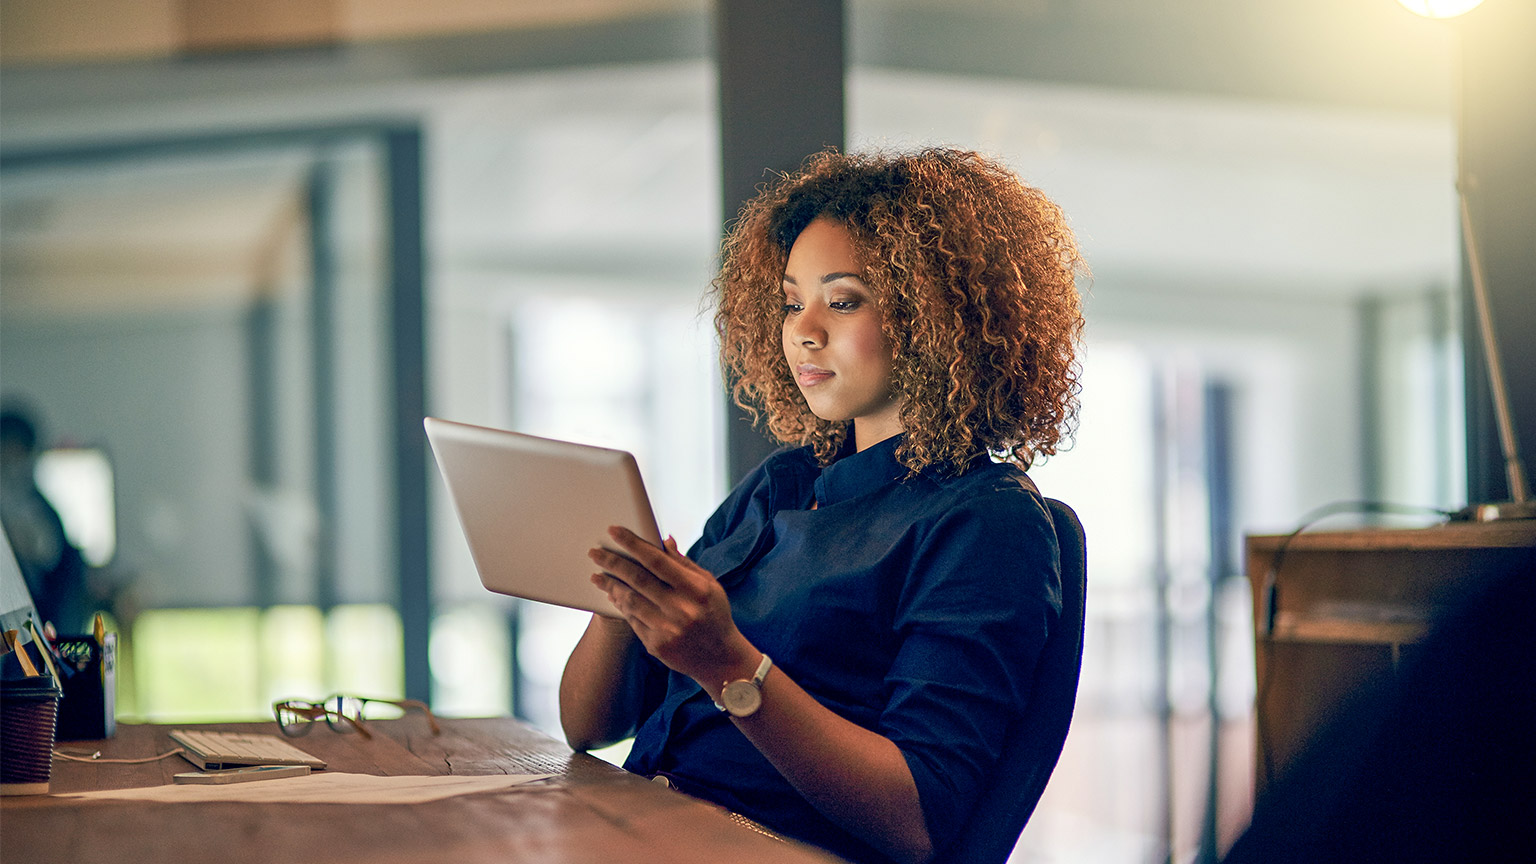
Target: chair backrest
{"type": "Point", "coordinates": [1035, 739]}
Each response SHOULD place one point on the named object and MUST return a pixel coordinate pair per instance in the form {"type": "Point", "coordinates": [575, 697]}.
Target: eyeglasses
{"type": "Point", "coordinates": [295, 717]}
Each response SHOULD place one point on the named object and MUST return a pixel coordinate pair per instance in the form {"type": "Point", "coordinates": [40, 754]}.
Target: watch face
{"type": "Point", "coordinates": [741, 698]}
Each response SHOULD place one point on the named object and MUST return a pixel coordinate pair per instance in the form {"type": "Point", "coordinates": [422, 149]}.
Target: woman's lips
{"type": "Point", "coordinates": [809, 376]}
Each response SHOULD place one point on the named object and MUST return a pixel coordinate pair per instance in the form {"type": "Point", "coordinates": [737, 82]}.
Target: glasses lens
{"type": "Point", "coordinates": [369, 709]}
{"type": "Point", "coordinates": [342, 709]}
{"type": "Point", "coordinates": [294, 718]}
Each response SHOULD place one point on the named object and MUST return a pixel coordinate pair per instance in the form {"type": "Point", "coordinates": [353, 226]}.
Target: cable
{"type": "Point", "coordinates": [96, 757]}
{"type": "Point", "coordinates": [1312, 517]}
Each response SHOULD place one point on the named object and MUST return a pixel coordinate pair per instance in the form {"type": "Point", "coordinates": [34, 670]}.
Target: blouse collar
{"type": "Point", "coordinates": [855, 474]}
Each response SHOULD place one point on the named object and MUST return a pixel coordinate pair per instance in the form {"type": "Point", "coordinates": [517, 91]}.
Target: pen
{"type": "Point", "coordinates": [241, 775]}
{"type": "Point", "coordinates": [13, 641]}
{"type": "Point", "coordinates": [46, 652]}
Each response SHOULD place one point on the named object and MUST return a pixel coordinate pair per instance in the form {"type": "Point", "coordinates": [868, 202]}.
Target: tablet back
{"type": "Point", "coordinates": [531, 508]}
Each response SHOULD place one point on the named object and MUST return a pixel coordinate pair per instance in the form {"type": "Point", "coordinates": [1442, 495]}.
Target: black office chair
{"type": "Point", "coordinates": [1035, 739]}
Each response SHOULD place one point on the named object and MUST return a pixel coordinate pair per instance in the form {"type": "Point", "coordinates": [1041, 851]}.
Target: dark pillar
{"type": "Point", "coordinates": [323, 330]}
{"type": "Point", "coordinates": [781, 99]}
{"type": "Point", "coordinates": [408, 343]}
{"type": "Point", "coordinates": [1498, 152]}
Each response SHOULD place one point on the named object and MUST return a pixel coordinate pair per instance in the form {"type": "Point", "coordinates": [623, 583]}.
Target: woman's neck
{"type": "Point", "coordinates": [874, 428]}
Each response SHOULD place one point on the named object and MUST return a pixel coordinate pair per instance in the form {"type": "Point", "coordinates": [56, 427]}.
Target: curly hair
{"type": "Point", "coordinates": [975, 276]}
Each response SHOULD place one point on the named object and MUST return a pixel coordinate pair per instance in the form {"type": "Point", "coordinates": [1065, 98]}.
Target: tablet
{"type": "Point", "coordinates": [531, 508]}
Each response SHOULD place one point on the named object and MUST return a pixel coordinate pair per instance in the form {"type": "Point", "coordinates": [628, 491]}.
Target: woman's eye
{"type": "Point", "coordinates": [844, 305]}
{"type": "Point", "coordinates": [791, 308]}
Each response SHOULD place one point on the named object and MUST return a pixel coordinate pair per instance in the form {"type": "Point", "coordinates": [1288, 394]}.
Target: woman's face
{"type": "Point", "coordinates": [840, 357]}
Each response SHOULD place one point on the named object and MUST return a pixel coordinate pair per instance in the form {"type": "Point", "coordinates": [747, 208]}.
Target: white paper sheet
{"type": "Point", "coordinates": [325, 787]}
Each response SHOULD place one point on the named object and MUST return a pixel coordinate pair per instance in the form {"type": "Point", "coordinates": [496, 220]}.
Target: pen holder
{"type": "Point", "coordinates": [86, 712]}
{"type": "Point", "coordinates": [28, 709]}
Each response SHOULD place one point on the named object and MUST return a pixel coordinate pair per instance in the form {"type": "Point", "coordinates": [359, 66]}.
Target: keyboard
{"type": "Point", "coordinates": [214, 750]}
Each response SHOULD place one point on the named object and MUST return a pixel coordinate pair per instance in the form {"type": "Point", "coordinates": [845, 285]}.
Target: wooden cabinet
{"type": "Point", "coordinates": [1336, 610]}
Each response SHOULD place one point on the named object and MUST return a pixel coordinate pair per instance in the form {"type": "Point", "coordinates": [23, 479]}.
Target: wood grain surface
{"type": "Point", "coordinates": [591, 812]}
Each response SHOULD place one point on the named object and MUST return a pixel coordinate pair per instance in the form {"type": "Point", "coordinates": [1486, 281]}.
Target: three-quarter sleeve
{"type": "Point", "coordinates": [983, 592]}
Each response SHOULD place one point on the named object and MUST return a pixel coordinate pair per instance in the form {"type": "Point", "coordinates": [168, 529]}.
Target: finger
{"type": "Point", "coordinates": [674, 554]}
{"type": "Point", "coordinates": [636, 608]}
{"type": "Point", "coordinates": [644, 632]}
{"type": "Point", "coordinates": [627, 570]}
{"type": "Point", "coordinates": [648, 555]}
{"type": "Point", "coordinates": [639, 578]}
{"type": "Point", "coordinates": [629, 541]}
{"type": "Point", "coordinates": [669, 547]}
{"type": "Point", "coordinates": [684, 561]}
{"type": "Point", "coordinates": [633, 545]}
{"type": "Point", "coordinates": [666, 564]}
{"type": "Point", "coordinates": [632, 542]}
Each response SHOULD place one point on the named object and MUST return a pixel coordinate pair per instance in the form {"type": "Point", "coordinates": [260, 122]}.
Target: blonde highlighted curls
{"type": "Point", "coordinates": [974, 273]}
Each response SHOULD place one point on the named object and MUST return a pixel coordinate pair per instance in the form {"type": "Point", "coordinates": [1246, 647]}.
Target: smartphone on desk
{"type": "Point", "coordinates": [242, 775]}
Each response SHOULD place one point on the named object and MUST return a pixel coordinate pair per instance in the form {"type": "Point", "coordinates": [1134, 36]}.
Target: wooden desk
{"type": "Point", "coordinates": [1350, 605]}
{"type": "Point", "coordinates": [595, 812]}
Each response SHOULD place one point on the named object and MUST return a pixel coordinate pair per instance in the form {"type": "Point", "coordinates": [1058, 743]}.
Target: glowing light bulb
{"type": "Point", "coordinates": [1439, 8]}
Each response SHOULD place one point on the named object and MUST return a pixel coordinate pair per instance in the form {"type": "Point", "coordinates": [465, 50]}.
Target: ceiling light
{"type": "Point", "coordinates": [1439, 8]}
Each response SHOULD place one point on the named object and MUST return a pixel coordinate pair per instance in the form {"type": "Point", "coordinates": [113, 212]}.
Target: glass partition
{"type": "Point", "coordinates": [211, 320]}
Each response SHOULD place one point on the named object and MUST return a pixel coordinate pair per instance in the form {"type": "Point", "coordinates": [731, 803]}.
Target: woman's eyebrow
{"type": "Point", "coordinates": [833, 277]}
{"type": "Point", "coordinates": [829, 278]}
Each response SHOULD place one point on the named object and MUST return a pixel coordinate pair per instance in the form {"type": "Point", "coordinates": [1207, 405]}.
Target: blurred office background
{"type": "Point", "coordinates": [245, 245]}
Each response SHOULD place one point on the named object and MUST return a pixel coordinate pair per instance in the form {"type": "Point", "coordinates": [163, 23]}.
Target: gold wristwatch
{"type": "Point", "coordinates": [742, 697]}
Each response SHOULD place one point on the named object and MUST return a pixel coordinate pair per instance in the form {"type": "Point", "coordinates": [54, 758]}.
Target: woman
{"type": "Point", "coordinates": [908, 322]}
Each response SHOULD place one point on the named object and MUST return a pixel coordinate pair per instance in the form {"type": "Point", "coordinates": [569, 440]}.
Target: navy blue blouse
{"type": "Point", "coordinates": [913, 606]}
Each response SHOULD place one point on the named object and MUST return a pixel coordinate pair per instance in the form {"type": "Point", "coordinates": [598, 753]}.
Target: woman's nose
{"type": "Point", "coordinates": [808, 330]}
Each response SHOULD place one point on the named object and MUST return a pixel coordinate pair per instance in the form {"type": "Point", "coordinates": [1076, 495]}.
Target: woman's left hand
{"type": "Point", "coordinates": [676, 607]}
